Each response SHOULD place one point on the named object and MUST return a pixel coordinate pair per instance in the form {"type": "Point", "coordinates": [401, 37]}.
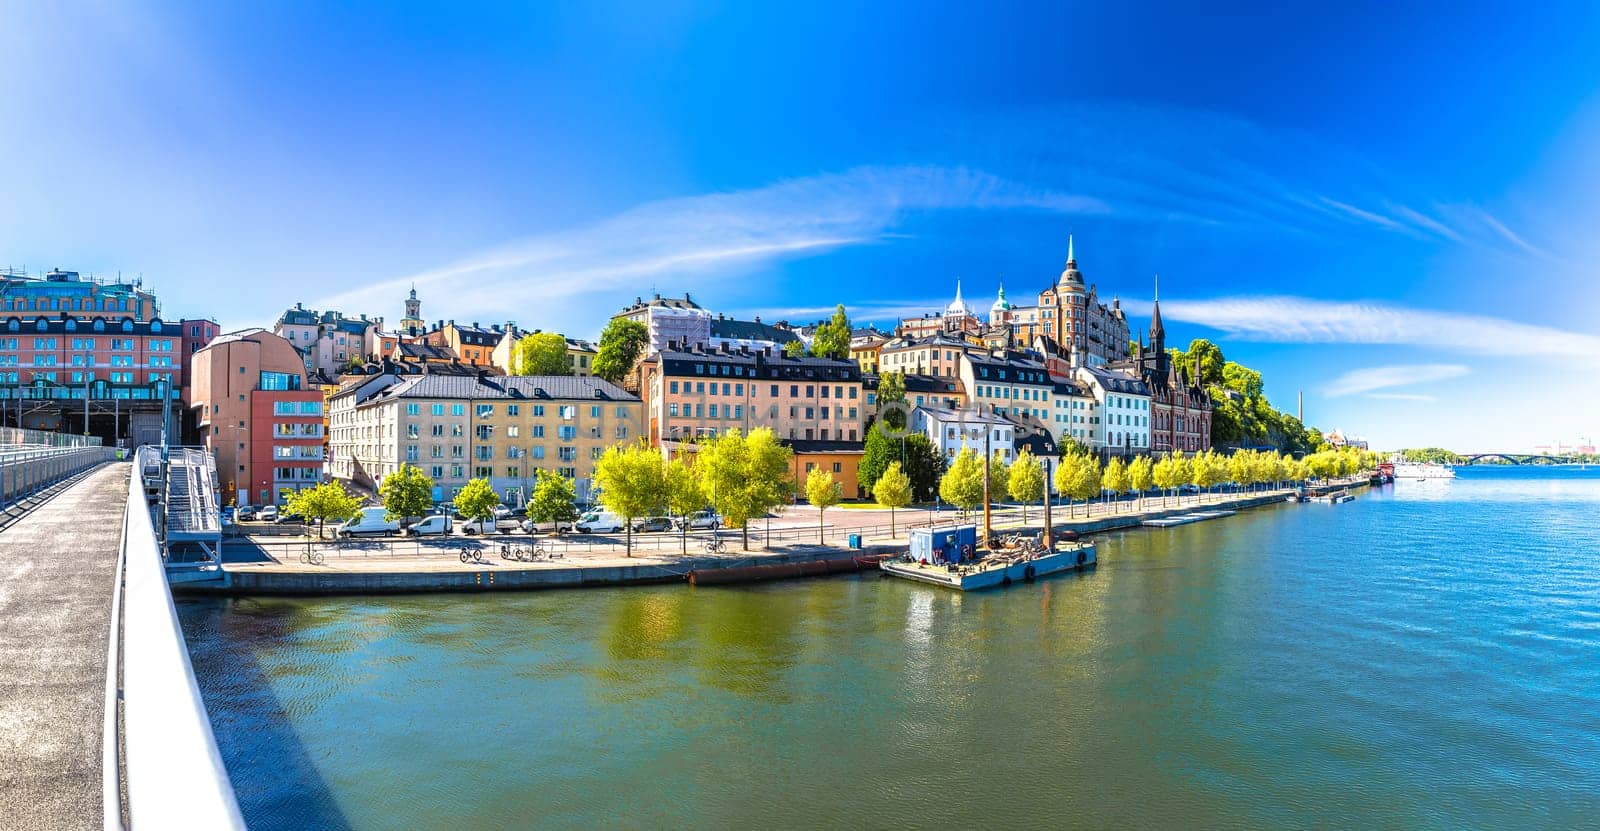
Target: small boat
{"type": "Point", "coordinates": [1334, 498]}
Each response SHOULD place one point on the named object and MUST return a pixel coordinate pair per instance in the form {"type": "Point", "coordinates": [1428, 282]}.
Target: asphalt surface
{"type": "Point", "coordinates": [57, 568]}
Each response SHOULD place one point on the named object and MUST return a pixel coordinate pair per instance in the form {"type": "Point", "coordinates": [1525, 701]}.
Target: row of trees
{"type": "Point", "coordinates": [741, 476]}
{"type": "Point", "coordinates": [1080, 475]}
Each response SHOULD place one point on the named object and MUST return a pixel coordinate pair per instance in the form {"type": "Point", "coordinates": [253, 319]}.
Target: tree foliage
{"type": "Point", "coordinates": [477, 500]}
{"type": "Point", "coordinates": [832, 339]}
{"type": "Point", "coordinates": [962, 485]}
{"type": "Point", "coordinates": [794, 349]}
{"type": "Point", "coordinates": [1026, 480]}
{"type": "Point", "coordinates": [632, 484]}
{"type": "Point", "coordinates": [1115, 478]}
{"type": "Point", "coordinates": [892, 490]}
{"type": "Point", "coordinates": [1078, 476]}
{"type": "Point", "coordinates": [1141, 475]}
{"type": "Point", "coordinates": [823, 493]}
{"type": "Point", "coordinates": [684, 496]}
{"type": "Point", "coordinates": [407, 494]}
{"type": "Point", "coordinates": [925, 465]}
{"type": "Point", "coordinates": [621, 344]}
{"type": "Point", "coordinates": [555, 499]}
{"type": "Point", "coordinates": [745, 476]}
{"type": "Point", "coordinates": [541, 353]}
{"type": "Point", "coordinates": [877, 453]}
{"type": "Point", "coordinates": [328, 501]}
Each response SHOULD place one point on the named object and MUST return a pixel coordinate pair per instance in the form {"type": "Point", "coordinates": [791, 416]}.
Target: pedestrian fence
{"type": "Point", "coordinates": [17, 436]}
{"type": "Point", "coordinates": [27, 470]}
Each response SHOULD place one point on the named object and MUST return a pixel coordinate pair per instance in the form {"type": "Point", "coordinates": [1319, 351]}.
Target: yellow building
{"type": "Point", "coordinates": [462, 427]}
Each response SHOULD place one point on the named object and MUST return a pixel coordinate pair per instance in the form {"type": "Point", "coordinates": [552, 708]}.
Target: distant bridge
{"type": "Point", "coordinates": [1522, 458]}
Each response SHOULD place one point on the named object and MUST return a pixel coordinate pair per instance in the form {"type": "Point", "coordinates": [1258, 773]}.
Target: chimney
{"type": "Point", "coordinates": [758, 318]}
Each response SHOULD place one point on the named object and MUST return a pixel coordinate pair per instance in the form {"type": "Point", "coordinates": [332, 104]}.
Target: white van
{"type": "Point", "coordinates": [369, 521]}
{"type": "Point", "coordinates": [438, 524]}
{"type": "Point", "coordinates": [599, 522]}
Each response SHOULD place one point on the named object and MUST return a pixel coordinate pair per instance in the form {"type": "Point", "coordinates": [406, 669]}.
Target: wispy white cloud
{"type": "Point", "coordinates": [1371, 379]}
{"type": "Point", "coordinates": [708, 235]}
{"type": "Point", "coordinates": [1304, 320]}
{"type": "Point", "coordinates": [1402, 396]}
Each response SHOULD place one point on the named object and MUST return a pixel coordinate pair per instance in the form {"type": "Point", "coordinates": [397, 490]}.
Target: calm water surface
{"type": "Point", "coordinates": [1427, 656]}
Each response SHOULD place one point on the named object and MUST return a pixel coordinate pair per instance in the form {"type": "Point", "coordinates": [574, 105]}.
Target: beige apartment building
{"type": "Point", "coordinates": [703, 392]}
{"type": "Point", "coordinates": [460, 427]}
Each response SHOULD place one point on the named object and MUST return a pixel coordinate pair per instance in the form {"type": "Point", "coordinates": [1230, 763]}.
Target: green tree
{"type": "Point", "coordinates": [1078, 477]}
{"type": "Point", "coordinates": [684, 497]}
{"type": "Point", "coordinates": [541, 353]}
{"type": "Point", "coordinates": [892, 389]}
{"type": "Point", "coordinates": [1241, 379]}
{"type": "Point", "coordinates": [324, 502]}
{"type": "Point", "coordinates": [1070, 446]}
{"type": "Point", "coordinates": [877, 453]}
{"type": "Point", "coordinates": [621, 344]}
{"type": "Point", "coordinates": [745, 476]}
{"type": "Point", "coordinates": [999, 476]}
{"type": "Point", "coordinates": [1141, 477]}
{"type": "Point", "coordinates": [1115, 478]}
{"type": "Point", "coordinates": [794, 349]}
{"type": "Point", "coordinates": [892, 490]}
{"type": "Point", "coordinates": [1026, 481]}
{"type": "Point", "coordinates": [1168, 476]}
{"type": "Point", "coordinates": [924, 465]}
{"type": "Point", "coordinates": [555, 499]}
{"type": "Point", "coordinates": [1207, 362]}
{"type": "Point", "coordinates": [832, 339]}
{"type": "Point", "coordinates": [407, 494]}
{"type": "Point", "coordinates": [823, 493]}
{"type": "Point", "coordinates": [632, 483]}
{"type": "Point", "coordinates": [477, 500]}
{"type": "Point", "coordinates": [962, 485]}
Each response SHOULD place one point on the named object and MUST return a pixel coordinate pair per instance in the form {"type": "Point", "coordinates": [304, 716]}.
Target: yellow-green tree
{"type": "Point", "coordinates": [554, 500]}
{"type": "Point", "coordinates": [477, 500]}
{"type": "Point", "coordinates": [632, 484]}
{"type": "Point", "coordinates": [1026, 480]}
{"type": "Point", "coordinates": [999, 477]}
{"type": "Point", "coordinates": [324, 502]}
{"type": "Point", "coordinates": [823, 493]}
{"type": "Point", "coordinates": [1141, 476]}
{"type": "Point", "coordinates": [1115, 480]}
{"type": "Point", "coordinates": [541, 353]}
{"type": "Point", "coordinates": [684, 497]}
{"type": "Point", "coordinates": [892, 490]}
{"type": "Point", "coordinates": [745, 475]}
{"type": "Point", "coordinates": [407, 494]}
{"type": "Point", "coordinates": [962, 485]}
{"type": "Point", "coordinates": [1078, 477]}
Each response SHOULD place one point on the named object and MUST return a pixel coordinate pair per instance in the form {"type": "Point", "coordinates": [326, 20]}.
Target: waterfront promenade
{"type": "Point", "coordinates": [273, 564]}
{"type": "Point", "coordinates": [57, 579]}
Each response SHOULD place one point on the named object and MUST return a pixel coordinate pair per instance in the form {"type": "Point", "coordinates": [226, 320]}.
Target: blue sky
{"type": "Point", "coordinates": [1391, 210]}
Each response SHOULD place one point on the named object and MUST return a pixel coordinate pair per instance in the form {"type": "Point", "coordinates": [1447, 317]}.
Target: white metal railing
{"type": "Point", "coordinates": [27, 470]}
{"type": "Point", "coordinates": [174, 773]}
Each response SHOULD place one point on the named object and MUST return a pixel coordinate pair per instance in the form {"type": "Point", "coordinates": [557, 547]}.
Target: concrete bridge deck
{"type": "Point", "coordinates": [57, 581]}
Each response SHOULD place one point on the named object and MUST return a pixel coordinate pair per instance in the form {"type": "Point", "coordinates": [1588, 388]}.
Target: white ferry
{"type": "Point", "coordinates": [1412, 471]}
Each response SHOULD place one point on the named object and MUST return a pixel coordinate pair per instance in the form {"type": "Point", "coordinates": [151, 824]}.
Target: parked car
{"type": "Point", "coordinates": [528, 526]}
{"type": "Point", "coordinates": [599, 522]}
{"type": "Point", "coordinates": [286, 518]}
{"type": "Point", "coordinates": [653, 523]}
{"type": "Point", "coordinates": [227, 515]}
{"type": "Point", "coordinates": [701, 521]}
{"type": "Point", "coordinates": [1188, 489]}
{"type": "Point", "coordinates": [369, 522]}
{"type": "Point", "coordinates": [435, 525]}
{"type": "Point", "coordinates": [245, 513]}
{"type": "Point", "coordinates": [268, 514]}
{"type": "Point", "coordinates": [505, 525]}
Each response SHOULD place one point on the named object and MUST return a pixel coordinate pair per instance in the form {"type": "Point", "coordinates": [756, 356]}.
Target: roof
{"type": "Point", "coordinates": [237, 335]}
{"type": "Point", "coordinates": [72, 323]}
{"type": "Point", "coordinates": [972, 416]}
{"type": "Point", "coordinates": [659, 301]}
{"type": "Point", "coordinates": [729, 329]}
{"type": "Point", "coordinates": [518, 387]}
{"type": "Point", "coordinates": [426, 352]}
{"type": "Point", "coordinates": [822, 446]}
{"type": "Point", "coordinates": [1117, 381]}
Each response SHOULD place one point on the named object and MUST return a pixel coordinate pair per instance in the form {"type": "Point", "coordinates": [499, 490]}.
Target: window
{"type": "Point", "coordinates": [458, 409]}
{"type": "Point", "coordinates": [485, 410]}
{"type": "Point", "coordinates": [269, 380]}
{"type": "Point", "coordinates": [438, 409]}
{"type": "Point", "coordinates": [538, 430]}
{"type": "Point", "coordinates": [594, 411]}
{"type": "Point", "coordinates": [538, 409]}
{"type": "Point", "coordinates": [513, 409]}
{"type": "Point", "coordinates": [538, 452]}
{"type": "Point", "coordinates": [567, 432]}
{"type": "Point", "coordinates": [413, 409]}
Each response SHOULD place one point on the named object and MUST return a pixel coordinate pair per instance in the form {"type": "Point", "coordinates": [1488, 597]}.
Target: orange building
{"type": "Point", "coordinates": [841, 458]}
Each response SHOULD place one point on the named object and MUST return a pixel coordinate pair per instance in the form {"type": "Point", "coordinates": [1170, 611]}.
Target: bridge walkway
{"type": "Point", "coordinates": [57, 578]}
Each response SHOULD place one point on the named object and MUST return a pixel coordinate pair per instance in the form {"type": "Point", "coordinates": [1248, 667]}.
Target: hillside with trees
{"type": "Point", "coordinates": [1241, 415]}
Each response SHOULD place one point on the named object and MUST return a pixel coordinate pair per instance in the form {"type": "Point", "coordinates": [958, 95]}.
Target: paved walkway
{"type": "Point", "coordinates": [57, 569]}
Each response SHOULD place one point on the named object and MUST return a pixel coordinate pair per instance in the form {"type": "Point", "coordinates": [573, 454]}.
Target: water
{"type": "Point", "coordinates": [1427, 656]}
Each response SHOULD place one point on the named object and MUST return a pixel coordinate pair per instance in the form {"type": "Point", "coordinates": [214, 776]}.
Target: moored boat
{"type": "Point", "coordinates": [947, 557]}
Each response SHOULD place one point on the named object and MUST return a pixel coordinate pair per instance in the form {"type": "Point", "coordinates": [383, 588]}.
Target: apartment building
{"type": "Point", "coordinates": [1011, 384]}
{"type": "Point", "coordinates": [1122, 403]}
{"type": "Point", "coordinates": [700, 392]}
{"type": "Point", "coordinates": [69, 292]}
{"type": "Point", "coordinates": [951, 430]}
{"type": "Point", "coordinates": [252, 407]}
{"type": "Point", "coordinates": [938, 355]}
{"type": "Point", "coordinates": [461, 427]}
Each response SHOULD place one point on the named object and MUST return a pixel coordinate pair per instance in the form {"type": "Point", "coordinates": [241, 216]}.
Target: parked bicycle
{"type": "Point", "coordinates": [313, 556]}
{"type": "Point", "coordinates": [715, 546]}
{"type": "Point", "coordinates": [523, 554]}
{"type": "Point", "coordinates": [472, 555]}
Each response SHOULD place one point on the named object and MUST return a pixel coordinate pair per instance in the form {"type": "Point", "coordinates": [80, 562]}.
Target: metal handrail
{"type": "Point", "coordinates": [174, 772]}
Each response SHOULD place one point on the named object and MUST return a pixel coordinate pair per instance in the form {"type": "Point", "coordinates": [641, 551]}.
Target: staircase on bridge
{"type": "Point", "coordinates": [181, 486]}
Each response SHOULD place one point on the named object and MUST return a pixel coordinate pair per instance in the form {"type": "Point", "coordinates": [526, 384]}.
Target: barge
{"type": "Point", "coordinates": [947, 557]}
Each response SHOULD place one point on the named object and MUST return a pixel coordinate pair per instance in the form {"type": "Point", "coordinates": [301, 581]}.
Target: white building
{"type": "Point", "coordinates": [1075, 412]}
{"type": "Point", "coordinates": [1122, 402]}
{"type": "Point", "coordinates": [951, 430]}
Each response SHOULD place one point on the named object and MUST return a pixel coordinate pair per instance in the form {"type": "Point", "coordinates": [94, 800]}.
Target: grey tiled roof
{"type": "Point", "coordinates": [529, 387]}
{"type": "Point", "coordinates": [749, 330]}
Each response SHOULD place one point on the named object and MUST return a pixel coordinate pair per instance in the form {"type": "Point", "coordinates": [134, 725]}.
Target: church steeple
{"type": "Point", "coordinates": [1071, 260]}
{"type": "Point", "coordinates": [1158, 333]}
{"type": "Point", "coordinates": [412, 324]}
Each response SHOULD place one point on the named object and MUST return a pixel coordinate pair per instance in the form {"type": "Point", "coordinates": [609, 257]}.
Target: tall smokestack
{"type": "Point", "coordinates": [1300, 406]}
